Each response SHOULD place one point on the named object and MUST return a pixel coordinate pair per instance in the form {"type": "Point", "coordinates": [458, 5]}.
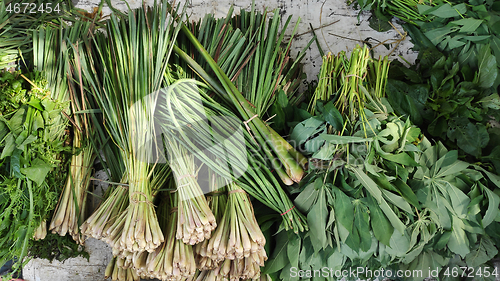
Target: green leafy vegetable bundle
{"type": "Point", "coordinates": [381, 194]}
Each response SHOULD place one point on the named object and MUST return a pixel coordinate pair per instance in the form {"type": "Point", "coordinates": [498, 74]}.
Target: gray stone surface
{"type": "Point", "coordinates": [75, 269]}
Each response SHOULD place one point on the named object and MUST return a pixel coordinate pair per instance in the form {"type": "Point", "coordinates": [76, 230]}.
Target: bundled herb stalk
{"type": "Point", "coordinates": [70, 211]}
{"type": "Point", "coordinates": [40, 231]}
{"type": "Point", "coordinates": [328, 82]}
{"type": "Point", "coordinates": [217, 200]}
{"type": "Point", "coordinates": [196, 221]}
{"type": "Point", "coordinates": [99, 223]}
{"type": "Point", "coordinates": [131, 60]}
{"type": "Point", "coordinates": [173, 260]}
{"type": "Point", "coordinates": [216, 137]}
{"type": "Point", "coordinates": [116, 271]}
{"type": "Point", "coordinates": [238, 235]}
{"type": "Point", "coordinates": [286, 161]}
{"type": "Point", "coordinates": [351, 82]}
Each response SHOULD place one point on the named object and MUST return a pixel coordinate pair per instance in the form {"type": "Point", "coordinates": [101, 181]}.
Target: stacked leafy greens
{"type": "Point", "coordinates": [380, 194]}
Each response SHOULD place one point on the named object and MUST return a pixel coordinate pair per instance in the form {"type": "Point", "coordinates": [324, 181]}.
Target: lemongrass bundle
{"type": "Point", "coordinates": [285, 160]}
{"type": "Point", "coordinates": [217, 201]}
{"type": "Point", "coordinates": [70, 211]}
{"type": "Point", "coordinates": [118, 273]}
{"type": "Point", "coordinates": [132, 58]}
{"type": "Point", "coordinates": [40, 231]}
{"type": "Point", "coordinates": [99, 223]}
{"type": "Point", "coordinates": [238, 235]}
{"type": "Point", "coordinates": [328, 84]}
{"type": "Point", "coordinates": [195, 219]}
{"type": "Point", "coordinates": [219, 140]}
{"type": "Point", "coordinates": [173, 260]}
{"type": "Point", "coordinates": [246, 268]}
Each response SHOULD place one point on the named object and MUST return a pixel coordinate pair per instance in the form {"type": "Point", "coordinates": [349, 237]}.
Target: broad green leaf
{"type": "Point", "coordinates": [482, 253]}
{"type": "Point", "coordinates": [445, 10]}
{"type": "Point", "coordinates": [470, 138]}
{"type": "Point", "coordinates": [10, 145]}
{"type": "Point", "coordinates": [493, 209]}
{"type": "Point", "coordinates": [307, 197]}
{"type": "Point", "coordinates": [407, 193]}
{"type": "Point", "coordinates": [279, 257]}
{"type": "Point", "coordinates": [488, 69]}
{"type": "Point", "coordinates": [368, 183]}
{"type": "Point", "coordinates": [399, 244]}
{"type": "Point", "coordinates": [326, 152]}
{"type": "Point", "coordinates": [452, 169]}
{"type": "Point", "coordinates": [426, 262]}
{"type": "Point", "coordinates": [401, 158]}
{"type": "Point", "coordinates": [336, 260]}
{"type": "Point", "coordinates": [495, 46]}
{"type": "Point", "coordinates": [381, 227]}
{"type": "Point", "coordinates": [17, 121]}
{"type": "Point", "coordinates": [398, 201]}
{"type": "Point", "coordinates": [448, 159]}
{"type": "Point", "coordinates": [459, 200]}
{"type": "Point", "coordinates": [469, 25]}
{"type": "Point", "coordinates": [37, 171]}
{"type": "Point", "coordinates": [317, 219]}
{"type": "Point", "coordinates": [492, 101]}
{"type": "Point", "coordinates": [380, 25]}
{"type": "Point", "coordinates": [439, 34]}
{"type": "Point", "coordinates": [333, 117]}
{"type": "Point", "coordinates": [15, 163]}
{"type": "Point", "coordinates": [443, 240]}
{"type": "Point", "coordinates": [458, 243]}
{"type": "Point", "coordinates": [395, 221]}
{"type": "Point", "coordinates": [305, 129]}
{"type": "Point", "coordinates": [344, 210]}
{"type": "Point", "coordinates": [293, 248]}
{"type": "Point", "coordinates": [361, 222]}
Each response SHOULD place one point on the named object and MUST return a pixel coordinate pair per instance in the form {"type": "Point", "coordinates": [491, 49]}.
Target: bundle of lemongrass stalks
{"type": "Point", "coordinates": [345, 80]}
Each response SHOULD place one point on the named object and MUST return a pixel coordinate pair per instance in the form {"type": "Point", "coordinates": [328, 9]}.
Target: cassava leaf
{"type": "Point", "coordinates": [381, 227]}
{"type": "Point", "coordinates": [482, 253]}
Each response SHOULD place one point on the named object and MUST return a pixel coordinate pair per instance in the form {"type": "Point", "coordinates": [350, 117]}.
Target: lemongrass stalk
{"type": "Point", "coordinates": [217, 200]}
{"type": "Point", "coordinates": [98, 224]}
{"type": "Point", "coordinates": [261, 132]}
{"type": "Point", "coordinates": [196, 221]}
{"type": "Point", "coordinates": [183, 107]}
{"type": "Point", "coordinates": [40, 231]}
{"type": "Point", "coordinates": [70, 212]}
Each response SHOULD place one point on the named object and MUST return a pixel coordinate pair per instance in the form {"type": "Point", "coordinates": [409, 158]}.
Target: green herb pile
{"type": "Point", "coordinates": [220, 168]}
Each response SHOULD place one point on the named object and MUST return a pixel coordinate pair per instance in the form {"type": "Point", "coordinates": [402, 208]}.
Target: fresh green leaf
{"type": "Point", "coordinates": [381, 227]}
{"type": "Point", "coordinates": [333, 117]}
{"type": "Point", "coordinates": [458, 243]}
{"type": "Point", "coordinates": [482, 253]}
{"type": "Point", "coordinates": [37, 171]}
{"type": "Point", "coordinates": [317, 219]}
{"type": "Point", "coordinates": [488, 69]}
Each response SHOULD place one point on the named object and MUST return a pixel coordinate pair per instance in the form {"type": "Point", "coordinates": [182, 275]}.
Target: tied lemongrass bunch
{"type": "Point", "coordinates": [217, 200]}
{"type": "Point", "coordinates": [99, 223]}
{"type": "Point", "coordinates": [362, 79]}
{"type": "Point", "coordinates": [238, 235]}
{"type": "Point", "coordinates": [173, 260]}
{"type": "Point", "coordinates": [40, 231]}
{"type": "Point", "coordinates": [70, 211]}
{"type": "Point", "coordinates": [217, 138]}
{"type": "Point", "coordinates": [116, 221]}
{"type": "Point", "coordinates": [195, 219]}
{"type": "Point", "coordinates": [131, 59]}
{"type": "Point", "coordinates": [116, 271]}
